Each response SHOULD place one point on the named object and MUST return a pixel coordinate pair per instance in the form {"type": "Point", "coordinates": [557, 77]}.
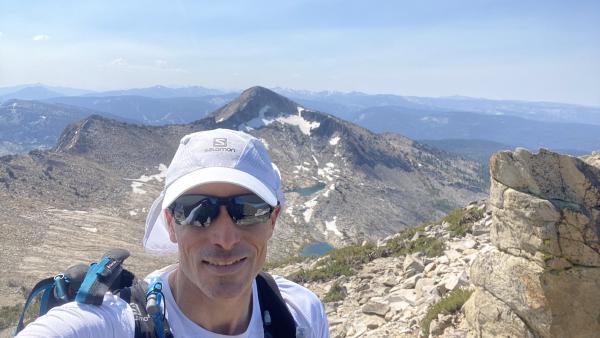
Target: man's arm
{"type": "Point", "coordinates": [113, 318]}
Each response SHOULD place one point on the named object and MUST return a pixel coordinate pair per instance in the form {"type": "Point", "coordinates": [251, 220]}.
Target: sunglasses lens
{"type": "Point", "coordinates": [200, 210]}
{"type": "Point", "coordinates": [249, 210]}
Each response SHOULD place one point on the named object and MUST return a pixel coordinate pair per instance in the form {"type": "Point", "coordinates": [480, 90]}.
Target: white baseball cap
{"type": "Point", "coordinates": [219, 155]}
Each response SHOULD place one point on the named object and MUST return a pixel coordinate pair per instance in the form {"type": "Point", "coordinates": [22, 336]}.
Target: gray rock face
{"type": "Point", "coordinates": [546, 268]}
{"type": "Point", "coordinates": [489, 317]}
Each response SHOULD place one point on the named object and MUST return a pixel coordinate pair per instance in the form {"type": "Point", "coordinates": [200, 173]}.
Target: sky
{"type": "Point", "coordinates": [524, 50]}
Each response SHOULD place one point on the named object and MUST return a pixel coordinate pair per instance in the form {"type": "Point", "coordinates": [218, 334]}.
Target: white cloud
{"type": "Point", "coordinates": [40, 37]}
{"type": "Point", "coordinates": [160, 63]}
{"type": "Point", "coordinates": [118, 62]}
{"type": "Point", "coordinates": [1, 34]}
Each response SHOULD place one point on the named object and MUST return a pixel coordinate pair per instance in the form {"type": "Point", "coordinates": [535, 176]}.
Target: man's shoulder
{"type": "Point", "coordinates": [294, 290]}
{"type": "Point", "coordinates": [112, 307]}
{"type": "Point", "coordinates": [84, 320]}
{"type": "Point", "coordinates": [299, 298]}
{"type": "Point", "coordinates": [305, 306]}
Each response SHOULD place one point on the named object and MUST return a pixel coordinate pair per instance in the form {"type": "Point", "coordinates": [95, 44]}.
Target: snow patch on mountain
{"type": "Point", "coordinates": [295, 120]}
{"type": "Point", "coordinates": [308, 212]}
{"type": "Point", "coordinates": [290, 211]}
{"type": "Point", "coordinates": [433, 119]}
{"type": "Point", "coordinates": [334, 140]}
{"type": "Point", "coordinates": [301, 168]}
{"type": "Point", "coordinates": [331, 188]}
{"type": "Point", "coordinates": [330, 226]}
{"type": "Point", "coordinates": [329, 172]}
{"type": "Point", "coordinates": [257, 122]}
{"type": "Point", "coordinates": [138, 183]}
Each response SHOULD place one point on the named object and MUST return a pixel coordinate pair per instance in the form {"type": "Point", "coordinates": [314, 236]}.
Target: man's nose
{"type": "Point", "coordinates": [224, 232]}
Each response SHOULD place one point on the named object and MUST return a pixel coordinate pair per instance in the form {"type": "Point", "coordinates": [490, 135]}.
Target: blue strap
{"type": "Point", "coordinates": [45, 299]}
{"type": "Point", "coordinates": [92, 288]}
{"type": "Point", "coordinates": [155, 306]}
{"type": "Point", "coordinates": [101, 276]}
{"type": "Point", "coordinates": [158, 324]}
{"type": "Point", "coordinates": [45, 286]}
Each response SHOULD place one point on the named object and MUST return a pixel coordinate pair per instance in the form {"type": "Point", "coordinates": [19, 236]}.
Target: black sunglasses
{"type": "Point", "coordinates": [201, 210]}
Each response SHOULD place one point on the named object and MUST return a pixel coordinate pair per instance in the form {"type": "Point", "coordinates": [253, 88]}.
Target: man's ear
{"type": "Point", "coordinates": [274, 216]}
{"type": "Point", "coordinates": [170, 225]}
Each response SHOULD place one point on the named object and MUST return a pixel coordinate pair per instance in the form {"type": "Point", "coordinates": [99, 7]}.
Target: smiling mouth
{"type": "Point", "coordinates": [224, 263]}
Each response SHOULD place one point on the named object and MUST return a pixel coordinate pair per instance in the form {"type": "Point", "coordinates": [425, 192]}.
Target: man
{"type": "Point", "coordinates": [218, 209]}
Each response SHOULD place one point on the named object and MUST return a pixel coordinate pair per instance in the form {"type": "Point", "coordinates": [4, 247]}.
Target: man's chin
{"type": "Point", "coordinates": [230, 289]}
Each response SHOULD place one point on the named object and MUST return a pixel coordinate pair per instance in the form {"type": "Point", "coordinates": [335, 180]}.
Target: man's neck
{"type": "Point", "coordinates": [223, 316]}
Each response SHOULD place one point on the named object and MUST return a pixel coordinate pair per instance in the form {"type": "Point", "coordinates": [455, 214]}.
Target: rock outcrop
{"type": "Point", "coordinates": [542, 277]}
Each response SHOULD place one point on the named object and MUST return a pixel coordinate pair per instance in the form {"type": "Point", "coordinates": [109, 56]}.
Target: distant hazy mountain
{"type": "Point", "coordinates": [37, 92]}
{"type": "Point", "coordinates": [477, 150]}
{"type": "Point", "coordinates": [40, 92]}
{"type": "Point", "coordinates": [12, 89]}
{"type": "Point", "coordinates": [162, 92]}
{"type": "Point", "coordinates": [541, 111]}
{"type": "Point", "coordinates": [30, 93]}
{"type": "Point", "coordinates": [348, 105]}
{"type": "Point", "coordinates": [345, 105]}
{"type": "Point", "coordinates": [504, 129]}
{"type": "Point", "coordinates": [27, 125]}
{"type": "Point", "coordinates": [148, 110]}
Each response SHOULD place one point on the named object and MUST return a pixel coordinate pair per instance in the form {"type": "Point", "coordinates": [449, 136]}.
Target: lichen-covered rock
{"type": "Point", "coordinates": [516, 282]}
{"type": "Point", "coordinates": [548, 175]}
{"type": "Point", "coordinates": [546, 268]}
{"type": "Point", "coordinates": [488, 317]}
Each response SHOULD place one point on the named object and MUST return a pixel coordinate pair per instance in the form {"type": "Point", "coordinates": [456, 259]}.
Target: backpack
{"type": "Point", "coordinates": [88, 284]}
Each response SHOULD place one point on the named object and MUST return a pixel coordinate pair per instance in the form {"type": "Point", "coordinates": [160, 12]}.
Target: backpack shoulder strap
{"type": "Point", "coordinates": [45, 286]}
{"type": "Point", "coordinates": [135, 295]}
{"type": "Point", "coordinates": [277, 319]}
{"type": "Point", "coordinates": [101, 276]}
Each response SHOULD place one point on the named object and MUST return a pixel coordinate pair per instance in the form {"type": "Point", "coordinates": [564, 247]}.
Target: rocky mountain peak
{"type": "Point", "coordinates": [78, 137]}
{"type": "Point", "coordinates": [254, 107]}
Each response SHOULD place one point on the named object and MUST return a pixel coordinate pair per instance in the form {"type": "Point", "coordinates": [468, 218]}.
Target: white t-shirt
{"type": "Point", "coordinates": [114, 318]}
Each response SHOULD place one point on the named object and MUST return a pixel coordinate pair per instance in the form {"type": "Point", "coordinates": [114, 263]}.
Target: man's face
{"type": "Point", "coordinates": [223, 259]}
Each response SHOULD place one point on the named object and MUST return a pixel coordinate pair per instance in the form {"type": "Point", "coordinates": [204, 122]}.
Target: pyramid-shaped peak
{"type": "Point", "coordinates": [79, 137]}
{"type": "Point", "coordinates": [258, 91]}
{"type": "Point", "coordinates": [255, 103]}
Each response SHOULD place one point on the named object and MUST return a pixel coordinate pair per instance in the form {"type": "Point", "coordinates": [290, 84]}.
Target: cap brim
{"type": "Point", "coordinates": [156, 237]}
{"type": "Point", "coordinates": [217, 175]}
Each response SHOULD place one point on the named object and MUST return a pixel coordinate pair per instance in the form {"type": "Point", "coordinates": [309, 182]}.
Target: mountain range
{"type": "Point", "coordinates": [149, 110]}
{"type": "Point", "coordinates": [505, 129]}
{"type": "Point", "coordinates": [350, 105]}
{"type": "Point", "coordinates": [343, 184]}
{"type": "Point", "coordinates": [472, 123]}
